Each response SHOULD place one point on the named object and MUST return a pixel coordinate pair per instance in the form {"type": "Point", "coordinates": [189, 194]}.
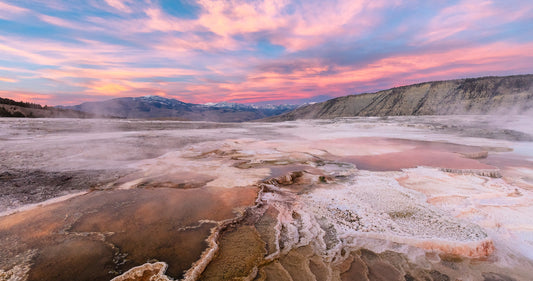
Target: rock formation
{"type": "Point", "coordinates": [486, 95]}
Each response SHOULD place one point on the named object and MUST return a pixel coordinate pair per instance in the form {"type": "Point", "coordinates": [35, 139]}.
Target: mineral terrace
{"type": "Point", "coordinates": [397, 198]}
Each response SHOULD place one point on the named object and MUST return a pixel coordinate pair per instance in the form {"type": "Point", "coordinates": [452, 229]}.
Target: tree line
{"type": "Point", "coordinates": [21, 103]}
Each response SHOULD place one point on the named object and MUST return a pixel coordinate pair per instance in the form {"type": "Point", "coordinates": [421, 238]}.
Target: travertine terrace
{"type": "Point", "coordinates": [397, 198]}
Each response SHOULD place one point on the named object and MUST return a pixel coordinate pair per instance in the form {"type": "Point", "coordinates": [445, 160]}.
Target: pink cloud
{"type": "Point", "coordinates": [9, 80]}
{"type": "Point", "coordinates": [227, 18]}
{"type": "Point", "coordinates": [472, 16]}
{"type": "Point", "coordinates": [8, 11]}
{"type": "Point", "coordinates": [116, 73]}
{"type": "Point", "coordinates": [16, 70]}
{"type": "Point", "coordinates": [68, 55]}
{"type": "Point", "coordinates": [120, 5]}
{"type": "Point", "coordinates": [26, 96]}
{"type": "Point", "coordinates": [215, 56]}
{"type": "Point", "coordinates": [457, 63]}
{"type": "Point", "coordinates": [193, 42]}
{"type": "Point", "coordinates": [159, 21]}
{"type": "Point", "coordinates": [458, 18]}
{"type": "Point", "coordinates": [33, 57]}
{"type": "Point", "coordinates": [312, 24]}
{"type": "Point", "coordinates": [65, 23]}
{"type": "Point", "coordinates": [315, 22]}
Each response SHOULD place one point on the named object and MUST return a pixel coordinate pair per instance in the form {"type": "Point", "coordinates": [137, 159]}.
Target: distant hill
{"type": "Point", "coordinates": [486, 95]}
{"type": "Point", "coordinates": [160, 107]}
{"type": "Point", "coordinates": [11, 108]}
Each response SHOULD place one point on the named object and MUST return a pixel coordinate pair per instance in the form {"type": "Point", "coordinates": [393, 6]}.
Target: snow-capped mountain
{"type": "Point", "coordinates": [161, 107]}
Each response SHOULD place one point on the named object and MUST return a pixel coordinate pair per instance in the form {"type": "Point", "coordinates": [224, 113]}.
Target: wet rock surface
{"type": "Point", "coordinates": [102, 234]}
{"type": "Point", "coordinates": [21, 187]}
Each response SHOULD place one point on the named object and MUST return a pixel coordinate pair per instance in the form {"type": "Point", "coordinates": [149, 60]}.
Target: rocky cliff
{"type": "Point", "coordinates": [486, 95]}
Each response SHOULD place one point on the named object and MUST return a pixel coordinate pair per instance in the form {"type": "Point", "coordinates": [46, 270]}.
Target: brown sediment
{"type": "Point", "coordinates": [273, 271]}
{"type": "Point", "coordinates": [176, 180]}
{"type": "Point", "coordinates": [297, 181]}
{"type": "Point", "coordinates": [237, 248]}
{"type": "Point", "coordinates": [366, 265]}
{"type": "Point", "coordinates": [75, 258]}
{"type": "Point", "coordinates": [300, 181]}
{"type": "Point", "coordinates": [248, 248]}
{"type": "Point", "coordinates": [476, 155]}
{"type": "Point", "coordinates": [491, 276]}
{"type": "Point", "coordinates": [383, 271]}
{"type": "Point", "coordinates": [319, 268]}
{"type": "Point", "coordinates": [240, 251]}
{"type": "Point", "coordinates": [296, 177]}
{"type": "Point", "coordinates": [179, 249]}
{"type": "Point", "coordinates": [266, 229]}
{"type": "Point", "coordinates": [358, 271]}
{"type": "Point", "coordinates": [296, 263]}
{"type": "Point", "coordinates": [219, 254]}
{"type": "Point", "coordinates": [281, 170]}
{"type": "Point", "coordinates": [112, 231]}
{"type": "Point", "coordinates": [279, 166]}
{"type": "Point", "coordinates": [170, 184]}
{"type": "Point", "coordinates": [234, 153]}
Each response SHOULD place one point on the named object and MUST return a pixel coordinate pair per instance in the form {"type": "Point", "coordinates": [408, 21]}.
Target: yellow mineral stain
{"type": "Point", "coordinates": [241, 251]}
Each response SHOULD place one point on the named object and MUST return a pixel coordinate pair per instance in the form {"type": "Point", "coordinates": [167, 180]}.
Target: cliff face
{"type": "Point", "coordinates": [486, 95]}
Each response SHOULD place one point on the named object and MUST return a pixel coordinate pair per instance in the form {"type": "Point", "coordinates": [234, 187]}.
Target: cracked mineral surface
{"type": "Point", "coordinates": [397, 198]}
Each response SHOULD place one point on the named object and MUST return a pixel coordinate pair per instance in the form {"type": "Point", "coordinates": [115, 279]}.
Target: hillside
{"type": "Point", "coordinates": [486, 95]}
{"type": "Point", "coordinates": [11, 108]}
{"type": "Point", "coordinates": [160, 107]}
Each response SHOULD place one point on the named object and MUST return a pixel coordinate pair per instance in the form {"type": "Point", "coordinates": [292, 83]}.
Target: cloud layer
{"type": "Point", "coordinates": [61, 52]}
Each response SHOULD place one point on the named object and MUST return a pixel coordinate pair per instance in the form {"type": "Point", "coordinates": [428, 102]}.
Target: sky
{"type": "Point", "coordinates": [67, 52]}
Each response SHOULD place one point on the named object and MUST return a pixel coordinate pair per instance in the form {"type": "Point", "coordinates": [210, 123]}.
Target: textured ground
{"type": "Point", "coordinates": [405, 198]}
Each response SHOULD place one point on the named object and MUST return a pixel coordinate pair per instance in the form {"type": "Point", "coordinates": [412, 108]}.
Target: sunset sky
{"type": "Point", "coordinates": [67, 52]}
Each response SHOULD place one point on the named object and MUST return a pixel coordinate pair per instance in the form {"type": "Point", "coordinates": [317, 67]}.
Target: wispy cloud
{"type": "Point", "coordinates": [8, 11]}
{"type": "Point", "coordinates": [6, 79]}
{"type": "Point", "coordinates": [61, 22]}
{"type": "Point", "coordinates": [240, 50]}
{"type": "Point", "coordinates": [121, 5]}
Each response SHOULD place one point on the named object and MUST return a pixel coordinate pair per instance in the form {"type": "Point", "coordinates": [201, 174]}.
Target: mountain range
{"type": "Point", "coordinates": [485, 95]}
{"type": "Point", "coordinates": [160, 107]}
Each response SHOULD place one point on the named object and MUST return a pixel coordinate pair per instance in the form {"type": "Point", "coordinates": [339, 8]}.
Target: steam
{"type": "Point", "coordinates": [340, 207]}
